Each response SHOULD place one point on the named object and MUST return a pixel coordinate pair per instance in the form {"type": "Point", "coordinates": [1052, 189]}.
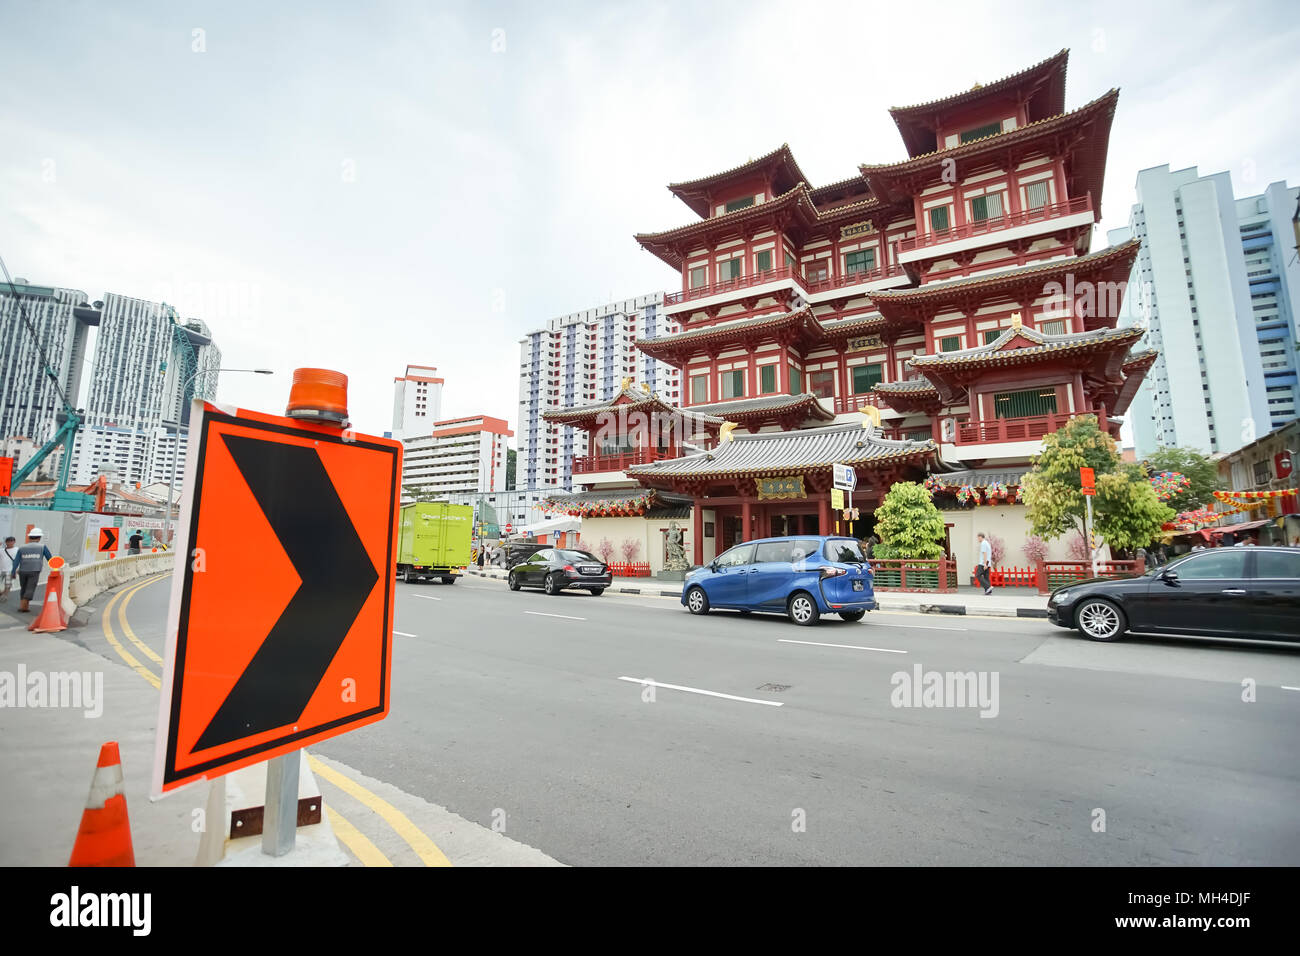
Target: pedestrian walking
{"type": "Point", "coordinates": [7, 558]}
{"type": "Point", "coordinates": [28, 563]}
{"type": "Point", "coordinates": [134, 542]}
{"type": "Point", "coordinates": [986, 563]}
{"type": "Point", "coordinates": [481, 551]}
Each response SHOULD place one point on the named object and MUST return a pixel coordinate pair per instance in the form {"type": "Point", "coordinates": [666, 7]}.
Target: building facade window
{"type": "Point", "coordinates": [1024, 403]}
{"type": "Point", "coordinates": [979, 132]}
{"type": "Point", "coordinates": [733, 384]}
{"type": "Point", "coordinates": [1036, 195]}
{"type": "Point", "coordinates": [699, 277]}
{"type": "Point", "coordinates": [763, 261]}
{"type": "Point", "coordinates": [796, 381]}
{"type": "Point", "coordinates": [699, 389]}
{"type": "Point", "coordinates": [990, 335]}
{"type": "Point", "coordinates": [822, 384]}
{"type": "Point", "coordinates": [863, 260]}
{"type": "Point", "coordinates": [739, 204]}
{"type": "Point", "coordinates": [939, 219]}
{"type": "Point", "coordinates": [729, 270]}
{"type": "Point", "coordinates": [950, 343]}
{"type": "Point", "coordinates": [767, 379]}
{"type": "Point", "coordinates": [986, 207]}
{"type": "Point", "coordinates": [865, 376]}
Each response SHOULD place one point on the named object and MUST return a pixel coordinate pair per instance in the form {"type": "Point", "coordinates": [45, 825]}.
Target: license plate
{"type": "Point", "coordinates": [857, 585]}
{"type": "Point", "coordinates": [588, 569]}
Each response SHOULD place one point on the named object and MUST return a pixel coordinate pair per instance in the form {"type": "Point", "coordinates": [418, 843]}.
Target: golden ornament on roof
{"type": "Point", "coordinates": [724, 433]}
{"type": "Point", "coordinates": [627, 380]}
{"type": "Point", "coordinates": [870, 416]}
{"type": "Point", "coordinates": [1015, 320]}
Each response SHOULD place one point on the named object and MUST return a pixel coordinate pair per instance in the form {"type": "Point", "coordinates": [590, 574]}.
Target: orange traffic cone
{"type": "Point", "coordinates": [104, 837]}
{"type": "Point", "coordinates": [52, 617]}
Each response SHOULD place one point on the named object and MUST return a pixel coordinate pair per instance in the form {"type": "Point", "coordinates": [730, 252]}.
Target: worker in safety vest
{"type": "Point", "coordinates": [28, 564]}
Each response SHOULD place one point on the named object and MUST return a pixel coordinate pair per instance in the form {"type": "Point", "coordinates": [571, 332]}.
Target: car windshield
{"type": "Point", "coordinates": [846, 550]}
{"type": "Point", "coordinates": [579, 556]}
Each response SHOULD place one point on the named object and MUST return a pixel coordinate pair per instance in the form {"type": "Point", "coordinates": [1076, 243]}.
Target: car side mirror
{"type": "Point", "coordinates": [713, 566]}
{"type": "Point", "coordinates": [1170, 576]}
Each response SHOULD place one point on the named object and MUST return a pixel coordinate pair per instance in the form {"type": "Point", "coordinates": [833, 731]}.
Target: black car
{"type": "Point", "coordinates": [1247, 592]}
{"type": "Point", "coordinates": [556, 569]}
{"type": "Point", "coordinates": [517, 551]}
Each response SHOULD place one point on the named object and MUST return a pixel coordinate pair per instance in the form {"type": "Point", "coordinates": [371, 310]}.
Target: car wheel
{"type": "Point", "coordinates": [596, 592]}
{"type": "Point", "coordinates": [552, 585]}
{"type": "Point", "coordinates": [697, 602]}
{"type": "Point", "coordinates": [406, 576]}
{"type": "Point", "coordinates": [802, 609]}
{"type": "Point", "coordinates": [514, 582]}
{"type": "Point", "coordinates": [853, 615]}
{"type": "Point", "coordinates": [1100, 620]}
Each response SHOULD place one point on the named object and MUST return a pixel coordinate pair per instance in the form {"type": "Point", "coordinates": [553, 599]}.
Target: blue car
{"type": "Point", "coordinates": [802, 576]}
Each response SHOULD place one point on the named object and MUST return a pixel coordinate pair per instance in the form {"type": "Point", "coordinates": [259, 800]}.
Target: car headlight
{"type": "Point", "coordinates": [1060, 597]}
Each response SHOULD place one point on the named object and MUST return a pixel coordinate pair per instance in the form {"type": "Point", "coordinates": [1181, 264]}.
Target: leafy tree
{"type": "Point", "coordinates": [1126, 511]}
{"type": "Point", "coordinates": [1198, 469]}
{"type": "Point", "coordinates": [908, 523]}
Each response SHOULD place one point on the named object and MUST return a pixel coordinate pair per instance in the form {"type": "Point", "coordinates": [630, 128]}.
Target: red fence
{"type": "Point", "coordinates": [904, 574]}
{"type": "Point", "coordinates": [1055, 574]}
{"type": "Point", "coordinates": [633, 569]}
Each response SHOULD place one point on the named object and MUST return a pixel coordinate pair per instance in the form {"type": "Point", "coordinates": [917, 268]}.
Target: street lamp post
{"type": "Point", "coordinates": [176, 435]}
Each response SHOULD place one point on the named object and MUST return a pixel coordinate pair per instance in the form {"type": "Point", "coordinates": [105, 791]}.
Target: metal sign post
{"type": "Point", "coordinates": [280, 820]}
{"type": "Point", "coordinates": [1088, 485]}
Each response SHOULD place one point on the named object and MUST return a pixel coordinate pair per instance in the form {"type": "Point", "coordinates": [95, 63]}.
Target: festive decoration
{"type": "Point", "coordinates": [1167, 484]}
{"type": "Point", "coordinates": [602, 507]}
{"type": "Point", "coordinates": [1238, 497]}
{"type": "Point", "coordinates": [971, 493]}
{"type": "Point", "coordinates": [995, 490]}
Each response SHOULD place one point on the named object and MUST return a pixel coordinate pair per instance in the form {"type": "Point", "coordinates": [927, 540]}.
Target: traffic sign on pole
{"type": "Point", "coordinates": [6, 476]}
{"type": "Point", "coordinates": [845, 477]}
{"type": "Point", "coordinates": [279, 632]}
{"type": "Point", "coordinates": [107, 540]}
{"type": "Point", "coordinates": [1088, 481]}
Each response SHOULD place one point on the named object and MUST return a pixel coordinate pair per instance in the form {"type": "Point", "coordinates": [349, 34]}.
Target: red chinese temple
{"type": "Point", "coordinates": [954, 293]}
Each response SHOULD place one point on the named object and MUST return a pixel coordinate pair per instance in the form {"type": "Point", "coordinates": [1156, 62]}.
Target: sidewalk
{"type": "Point", "coordinates": [1003, 602]}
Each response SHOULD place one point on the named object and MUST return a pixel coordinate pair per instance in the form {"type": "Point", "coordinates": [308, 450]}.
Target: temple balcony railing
{"type": "Point", "coordinates": [590, 464]}
{"type": "Point", "coordinates": [1026, 217]}
{"type": "Point", "coordinates": [785, 273]}
{"type": "Point", "coordinates": [856, 277]}
{"type": "Point", "coordinates": [991, 431]}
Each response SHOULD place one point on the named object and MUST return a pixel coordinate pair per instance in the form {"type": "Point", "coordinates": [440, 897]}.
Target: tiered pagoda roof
{"type": "Point", "coordinates": [782, 453]}
{"type": "Point", "coordinates": [789, 411]}
{"type": "Point", "coordinates": [1081, 135]}
{"type": "Point", "coordinates": [1022, 284]}
{"type": "Point", "coordinates": [628, 401]}
{"type": "Point", "coordinates": [797, 326]}
{"type": "Point", "coordinates": [1041, 87]}
{"type": "Point", "coordinates": [1101, 354]}
{"type": "Point", "coordinates": [778, 166]}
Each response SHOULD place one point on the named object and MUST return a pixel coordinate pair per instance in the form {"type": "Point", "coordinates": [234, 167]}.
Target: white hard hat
{"type": "Point", "coordinates": [36, 533]}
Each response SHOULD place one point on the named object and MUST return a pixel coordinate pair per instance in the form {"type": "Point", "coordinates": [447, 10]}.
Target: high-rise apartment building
{"type": "Point", "coordinates": [61, 320]}
{"type": "Point", "coordinates": [417, 400]}
{"type": "Point", "coordinates": [1268, 242]}
{"type": "Point", "coordinates": [1207, 388]}
{"type": "Point", "coordinates": [580, 358]}
{"type": "Point", "coordinates": [148, 364]}
{"type": "Point", "coordinates": [458, 455]}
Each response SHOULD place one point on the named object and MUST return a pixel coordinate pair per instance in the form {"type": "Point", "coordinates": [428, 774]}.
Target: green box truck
{"type": "Point", "coordinates": [434, 541]}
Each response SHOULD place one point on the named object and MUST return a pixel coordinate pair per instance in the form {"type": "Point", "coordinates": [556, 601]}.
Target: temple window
{"type": "Point", "coordinates": [796, 381]}
{"type": "Point", "coordinates": [729, 269]}
{"type": "Point", "coordinates": [733, 384]}
{"type": "Point", "coordinates": [865, 376]}
{"type": "Point", "coordinates": [763, 261]}
{"type": "Point", "coordinates": [986, 207]}
{"type": "Point", "coordinates": [744, 203]}
{"type": "Point", "coordinates": [699, 277]}
{"type": "Point", "coordinates": [816, 271]}
{"type": "Point", "coordinates": [1052, 327]}
{"type": "Point", "coordinates": [1036, 195]}
{"type": "Point", "coordinates": [822, 384]}
{"type": "Point", "coordinates": [1026, 403]}
{"type": "Point", "coordinates": [699, 389]}
{"type": "Point", "coordinates": [980, 132]}
{"type": "Point", "coordinates": [950, 343]}
{"type": "Point", "coordinates": [939, 219]}
{"type": "Point", "coordinates": [767, 379]}
{"type": "Point", "coordinates": [990, 335]}
{"type": "Point", "coordinates": [863, 260]}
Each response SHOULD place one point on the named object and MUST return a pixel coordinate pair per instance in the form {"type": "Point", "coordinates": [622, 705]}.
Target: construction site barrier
{"type": "Point", "coordinates": [85, 581]}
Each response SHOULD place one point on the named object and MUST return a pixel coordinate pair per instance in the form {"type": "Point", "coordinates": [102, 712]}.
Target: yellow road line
{"type": "Point", "coordinates": [424, 848]}
{"type": "Point", "coordinates": [122, 652]}
{"type": "Point", "coordinates": [356, 841]}
{"type": "Point", "coordinates": [361, 846]}
{"type": "Point", "coordinates": [126, 628]}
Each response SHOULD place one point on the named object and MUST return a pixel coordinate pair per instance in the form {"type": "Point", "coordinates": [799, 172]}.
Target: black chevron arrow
{"type": "Point", "coordinates": [303, 508]}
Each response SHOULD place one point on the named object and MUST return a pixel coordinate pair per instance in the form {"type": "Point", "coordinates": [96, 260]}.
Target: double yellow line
{"type": "Point", "coordinates": [362, 848]}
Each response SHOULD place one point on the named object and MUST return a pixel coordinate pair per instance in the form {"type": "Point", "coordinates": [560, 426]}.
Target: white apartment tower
{"type": "Point", "coordinates": [29, 400]}
{"type": "Point", "coordinates": [580, 358]}
{"type": "Point", "coordinates": [417, 400]}
{"type": "Point", "coordinates": [148, 364]}
{"type": "Point", "coordinates": [461, 455]}
{"type": "Point", "coordinates": [1206, 389]}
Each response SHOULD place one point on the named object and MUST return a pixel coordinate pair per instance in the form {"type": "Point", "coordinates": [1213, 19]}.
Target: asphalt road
{"type": "Point", "coordinates": [529, 714]}
{"type": "Point", "coordinates": [522, 708]}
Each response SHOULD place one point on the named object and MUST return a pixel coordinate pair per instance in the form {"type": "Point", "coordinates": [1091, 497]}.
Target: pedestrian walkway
{"type": "Point", "coordinates": [1003, 602]}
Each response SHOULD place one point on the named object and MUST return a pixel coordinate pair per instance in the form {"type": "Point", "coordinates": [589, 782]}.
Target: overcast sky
{"type": "Point", "coordinates": [359, 186]}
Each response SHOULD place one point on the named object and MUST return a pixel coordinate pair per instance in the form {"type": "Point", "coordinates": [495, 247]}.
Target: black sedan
{"type": "Point", "coordinates": [1246, 592]}
{"type": "Point", "coordinates": [557, 569]}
